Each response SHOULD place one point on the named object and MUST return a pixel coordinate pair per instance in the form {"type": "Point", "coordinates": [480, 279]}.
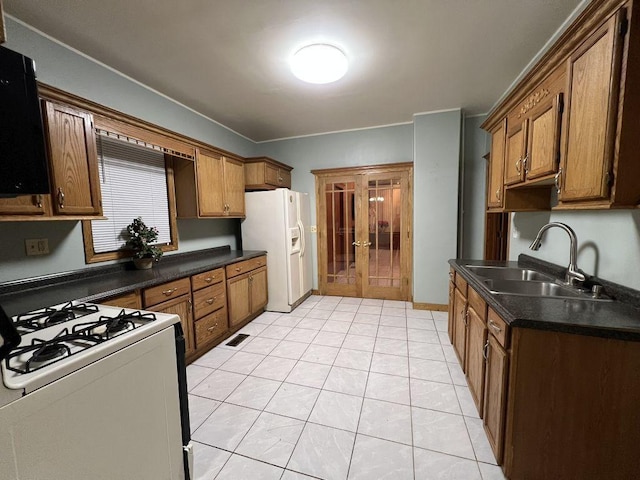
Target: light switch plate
{"type": "Point", "coordinates": [37, 246]}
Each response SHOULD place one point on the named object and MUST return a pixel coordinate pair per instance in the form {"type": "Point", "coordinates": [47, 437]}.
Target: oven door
{"type": "Point", "coordinates": [118, 418]}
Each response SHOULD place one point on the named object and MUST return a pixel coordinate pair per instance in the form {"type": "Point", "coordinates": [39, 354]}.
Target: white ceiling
{"type": "Point", "coordinates": [227, 59]}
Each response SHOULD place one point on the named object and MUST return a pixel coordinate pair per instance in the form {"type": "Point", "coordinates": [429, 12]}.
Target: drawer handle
{"type": "Point", "coordinates": [485, 351]}
{"type": "Point", "coordinates": [238, 269]}
{"type": "Point", "coordinates": [466, 317]}
{"type": "Point", "coordinates": [211, 300]}
{"type": "Point", "coordinates": [211, 329]}
{"type": "Point", "coordinates": [494, 326]}
{"type": "Point", "coordinates": [39, 201]}
{"type": "Point", "coordinates": [208, 279]}
{"type": "Point", "coordinates": [169, 292]}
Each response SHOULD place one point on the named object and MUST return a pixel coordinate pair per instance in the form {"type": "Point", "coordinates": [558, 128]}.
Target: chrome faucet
{"type": "Point", "coordinates": [574, 275]}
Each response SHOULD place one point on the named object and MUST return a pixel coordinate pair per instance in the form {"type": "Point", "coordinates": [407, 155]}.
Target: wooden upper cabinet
{"type": "Point", "coordinates": [73, 160]}
{"type": "Point", "coordinates": [212, 186]}
{"type": "Point", "coordinates": [592, 100]}
{"type": "Point", "coordinates": [496, 166]}
{"type": "Point", "coordinates": [210, 179]}
{"type": "Point", "coordinates": [515, 151]}
{"type": "Point", "coordinates": [544, 139]}
{"type": "Point", "coordinates": [264, 173]}
{"type": "Point", "coordinates": [233, 186]}
{"type": "Point", "coordinates": [26, 205]}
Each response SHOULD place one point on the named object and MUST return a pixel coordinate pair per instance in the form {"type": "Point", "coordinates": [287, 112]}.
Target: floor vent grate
{"type": "Point", "coordinates": [238, 339]}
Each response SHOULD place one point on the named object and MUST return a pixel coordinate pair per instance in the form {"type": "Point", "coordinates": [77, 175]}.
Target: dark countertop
{"type": "Point", "coordinates": [616, 319]}
{"type": "Point", "coordinates": [93, 284]}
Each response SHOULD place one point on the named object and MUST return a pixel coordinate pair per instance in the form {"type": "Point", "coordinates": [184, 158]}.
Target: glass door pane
{"type": "Point", "coordinates": [383, 273]}
{"type": "Point", "coordinates": [340, 229]}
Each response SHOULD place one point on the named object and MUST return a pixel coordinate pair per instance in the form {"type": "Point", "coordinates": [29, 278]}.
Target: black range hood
{"type": "Point", "coordinates": [23, 160]}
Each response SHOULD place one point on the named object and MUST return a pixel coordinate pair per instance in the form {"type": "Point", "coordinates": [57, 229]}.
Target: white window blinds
{"type": "Point", "coordinates": [133, 181]}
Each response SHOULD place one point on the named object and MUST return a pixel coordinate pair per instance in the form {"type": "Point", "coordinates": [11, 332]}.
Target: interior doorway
{"type": "Point", "coordinates": [364, 231]}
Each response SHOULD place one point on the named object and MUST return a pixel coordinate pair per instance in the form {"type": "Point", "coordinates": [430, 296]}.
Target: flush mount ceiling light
{"type": "Point", "coordinates": [319, 63]}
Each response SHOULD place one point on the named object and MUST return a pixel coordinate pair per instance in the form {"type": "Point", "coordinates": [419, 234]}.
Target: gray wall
{"type": "Point", "coordinates": [437, 143]}
{"type": "Point", "coordinates": [608, 241]}
{"type": "Point", "coordinates": [65, 69]}
{"type": "Point", "coordinates": [476, 144]}
{"type": "Point", "coordinates": [355, 148]}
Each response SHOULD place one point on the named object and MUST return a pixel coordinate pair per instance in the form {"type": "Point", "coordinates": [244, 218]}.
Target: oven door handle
{"type": "Point", "coordinates": [10, 336]}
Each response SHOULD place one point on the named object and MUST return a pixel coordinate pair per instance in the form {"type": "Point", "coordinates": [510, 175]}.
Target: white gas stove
{"type": "Point", "coordinates": [119, 370]}
{"type": "Point", "coordinates": [59, 340]}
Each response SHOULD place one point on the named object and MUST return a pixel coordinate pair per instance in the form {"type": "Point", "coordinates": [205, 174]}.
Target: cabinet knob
{"type": "Point", "coordinates": [60, 197]}
{"type": "Point", "coordinates": [485, 351]}
{"type": "Point", "coordinates": [357, 244]}
{"type": "Point", "coordinates": [38, 201]}
{"type": "Point", "coordinates": [498, 193]}
{"type": "Point", "coordinates": [170, 291]}
{"type": "Point", "coordinates": [518, 162]}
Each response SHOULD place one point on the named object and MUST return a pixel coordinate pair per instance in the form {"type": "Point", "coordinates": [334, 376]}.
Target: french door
{"type": "Point", "coordinates": [364, 231]}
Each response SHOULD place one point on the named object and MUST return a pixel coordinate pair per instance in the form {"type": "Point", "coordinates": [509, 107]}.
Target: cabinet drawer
{"type": "Point", "coordinates": [498, 328]}
{"type": "Point", "coordinates": [461, 284]}
{"type": "Point", "coordinates": [160, 293]}
{"type": "Point", "coordinates": [208, 300]}
{"type": "Point", "coordinates": [127, 300]}
{"type": "Point", "coordinates": [239, 268]}
{"type": "Point", "coordinates": [210, 327]}
{"type": "Point", "coordinates": [477, 303]}
{"type": "Point", "coordinates": [205, 279]}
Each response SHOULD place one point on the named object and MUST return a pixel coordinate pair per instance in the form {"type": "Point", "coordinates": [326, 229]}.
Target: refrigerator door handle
{"type": "Point", "coordinates": [303, 245]}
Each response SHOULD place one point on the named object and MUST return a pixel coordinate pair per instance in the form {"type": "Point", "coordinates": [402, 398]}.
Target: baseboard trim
{"type": "Point", "coordinates": [438, 307]}
{"type": "Point", "coordinates": [315, 292]}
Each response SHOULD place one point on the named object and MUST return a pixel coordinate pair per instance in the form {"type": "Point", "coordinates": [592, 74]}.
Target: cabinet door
{"type": "Point", "coordinates": [258, 287]}
{"type": "Point", "coordinates": [495, 396]}
{"type": "Point", "coordinates": [515, 153]}
{"type": "Point", "coordinates": [234, 187]}
{"type": "Point", "coordinates": [591, 107]}
{"type": "Point", "coordinates": [284, 178]}
{"type": "Point", "coordinates": [496, 167]}
{"type": "Point", "coordinates": [476, 339]}
{"type": "Point", "coordinates": [26, 205]}
{"type": "Point", "coordinates": [238, 299]}
{"type": "Point", "coordinates": [180, 306]}
{"type": "Point", "coordinates": [271, 174]}
{"type": "Point", "coordinates": [460, 327]}
{"type": "Point", "coordinates": [73, 160]}
{"type": "Point", "coordinates": [544, 139]}
{"type": "Point", "coordinates": [209, 172]}
{"type": "Point", "coordinates": [452, 293]}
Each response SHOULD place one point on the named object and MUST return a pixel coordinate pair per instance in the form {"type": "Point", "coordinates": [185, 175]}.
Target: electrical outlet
{"type": "Point", "coordinates": [37, 246]}
{"type": "Point", "coordinates": [313, 229]}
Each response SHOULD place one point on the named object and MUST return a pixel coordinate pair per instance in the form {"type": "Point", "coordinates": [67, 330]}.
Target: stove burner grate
{"type": "Point", "coordinates": [47, 317]}
{"type": "Point", "coordinates": [47, 352]}
{"type": "Point", "coordinates": [108, 327]}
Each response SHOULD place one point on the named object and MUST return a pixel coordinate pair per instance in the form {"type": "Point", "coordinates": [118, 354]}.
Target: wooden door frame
{"type": "Point", "coordinates": [321, 176]}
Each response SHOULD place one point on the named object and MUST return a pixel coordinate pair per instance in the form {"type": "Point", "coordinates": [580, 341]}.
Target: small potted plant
{"type": "Point", "coordinates": [141, 241]}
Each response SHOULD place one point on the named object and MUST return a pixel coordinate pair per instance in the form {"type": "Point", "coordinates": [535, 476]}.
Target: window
{"type": "Point", "coordinates": [135, 181]}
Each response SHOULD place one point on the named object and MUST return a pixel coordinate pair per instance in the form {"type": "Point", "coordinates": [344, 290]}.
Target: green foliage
{"type": "Point", "coordinates": [141, 239]}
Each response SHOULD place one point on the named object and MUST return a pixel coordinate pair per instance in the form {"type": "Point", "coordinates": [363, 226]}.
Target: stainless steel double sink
{"type": "Point", "coordinates": [528, 283]}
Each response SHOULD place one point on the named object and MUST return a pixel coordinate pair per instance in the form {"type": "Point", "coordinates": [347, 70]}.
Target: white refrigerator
{"type": "Point", "coordinates": [278, 221]}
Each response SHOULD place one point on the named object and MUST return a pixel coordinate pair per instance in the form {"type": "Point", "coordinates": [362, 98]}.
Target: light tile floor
{"type": "Point", "coordinates": [341, 388]}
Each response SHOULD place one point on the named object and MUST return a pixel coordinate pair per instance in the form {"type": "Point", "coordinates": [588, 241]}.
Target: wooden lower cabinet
{"type": "Point", "coordinates": [495, 395]}
{"type": "Point", "coordinates": [475, 353]}
{"type": "Point", "coordinates": [247, 295]}
{"type": "Point", "coordinates": [452, 292]}
{"type": "Point", "coordinates": [181, 306]}
{"type": "Point", "coordinates": [460, 326]}
{"type": "Point", "coordinates": [128, 300]}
